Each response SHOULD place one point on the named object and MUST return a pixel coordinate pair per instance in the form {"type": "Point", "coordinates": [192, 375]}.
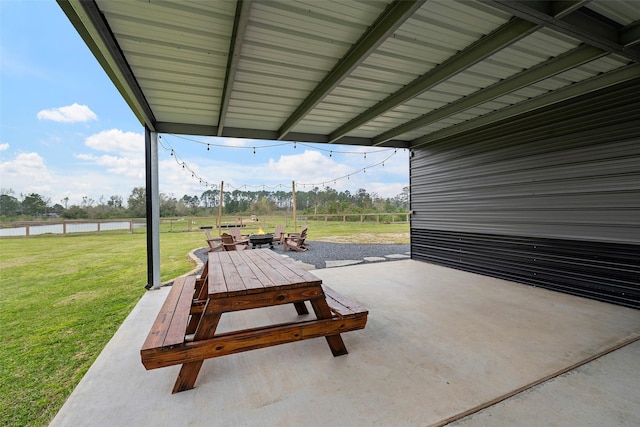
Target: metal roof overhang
{"type": "Point", "coordinates": [372, 73]}
{"type": "Point", "coordinates": [376, 73]}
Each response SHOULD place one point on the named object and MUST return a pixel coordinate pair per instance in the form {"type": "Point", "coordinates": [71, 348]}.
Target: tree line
{"type": "Point", "coordinates": [237, 202]}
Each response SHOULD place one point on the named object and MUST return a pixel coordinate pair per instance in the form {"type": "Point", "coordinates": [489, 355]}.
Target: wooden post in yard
{"type": "Point", "coordinates": [295, 219]}
{"type": "Point", "coordinates": [220, 209]}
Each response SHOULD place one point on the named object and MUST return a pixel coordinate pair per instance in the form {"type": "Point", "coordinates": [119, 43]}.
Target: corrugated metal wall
{"type": "Point", "coordinates": [551, 198]}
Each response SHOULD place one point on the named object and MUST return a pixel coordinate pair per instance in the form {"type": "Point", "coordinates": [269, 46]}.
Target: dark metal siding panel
{"type": "Point", "coordinates": [603, 271]}
{"type": "Point", "coordinates": [550, 198]}
{"type": "Point", "coordinates": [558, 179]}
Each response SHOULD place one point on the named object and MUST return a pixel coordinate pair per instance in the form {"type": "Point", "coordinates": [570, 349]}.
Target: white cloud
{"type": "Point", "coordinates": [306, 167]}
{"type": "Point", "coordinates": [125, 153]}
{"type": "Point", "coordinates": [70, 114]}
{"type": "Point", "coordinates": [31, 162]}
{"type": "Point", "coordinates": [26, 173]}
{"type": "Point", "coordinates": [4, 147]}
{"type": "Point", "coordinates": [176, 181]}
{"type": "Point", "coordinates": [117, 141]}
{"type": "Point", "coordinates": [386, 190]}
{"type": "Point", "coordinates": [130, 167]}
{"type": "Point", "coordinates": [29, 173]}
{"type": "Point", "coordinates": [114, 172]}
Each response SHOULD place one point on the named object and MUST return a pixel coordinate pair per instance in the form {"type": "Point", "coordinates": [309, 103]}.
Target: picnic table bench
{"type": "Point", "coordinates": [184, 331]}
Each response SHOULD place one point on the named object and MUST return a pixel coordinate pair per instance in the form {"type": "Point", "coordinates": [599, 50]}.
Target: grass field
{"type": "Point", "coordinates": [62, 299]}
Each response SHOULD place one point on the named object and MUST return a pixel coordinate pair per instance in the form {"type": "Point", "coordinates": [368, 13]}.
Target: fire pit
{"type": "Point", "coordinates": [257, 240]}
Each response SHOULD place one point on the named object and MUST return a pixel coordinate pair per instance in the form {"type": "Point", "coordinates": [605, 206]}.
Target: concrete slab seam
{"type": "Point", "coordinates": [542, 380]}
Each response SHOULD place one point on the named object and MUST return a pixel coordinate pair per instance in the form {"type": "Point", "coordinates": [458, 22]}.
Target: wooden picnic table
{"type": "Point", "coordinates": [185, 329]}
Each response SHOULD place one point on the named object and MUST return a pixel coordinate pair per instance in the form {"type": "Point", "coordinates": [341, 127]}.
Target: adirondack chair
{"type": "Point", "coordinates": [295, 241]}
{"type": "Point", "coordinates": [278, 235]}
{"type": "Point", "coordinates": [302, 231]}
{"type": "Point", "coordinates": [237, 237]}
{"type": "Point", "coordinates": [214, 244]}
{"type": "Point", "coordinates": [230, 244]}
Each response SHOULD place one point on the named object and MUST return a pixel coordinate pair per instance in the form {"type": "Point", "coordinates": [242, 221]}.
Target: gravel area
{"type": "Point", "coordinates": [320, 254]}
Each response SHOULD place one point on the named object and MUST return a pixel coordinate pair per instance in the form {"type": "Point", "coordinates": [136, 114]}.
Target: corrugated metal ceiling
{"type": "Point", "coordinates": [387, 73]}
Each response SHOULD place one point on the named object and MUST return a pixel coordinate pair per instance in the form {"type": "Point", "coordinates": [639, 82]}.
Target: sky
{"type": "Point", "coordinates": [68, 135]}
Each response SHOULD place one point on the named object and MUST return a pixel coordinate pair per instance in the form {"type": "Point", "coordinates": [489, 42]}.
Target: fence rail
{"type": "Point", "coordinates": [389, 218]}
{"type": "Point", "coordinates": [185, 224]}
{"type": "Point", "coordinates": [34, 228]}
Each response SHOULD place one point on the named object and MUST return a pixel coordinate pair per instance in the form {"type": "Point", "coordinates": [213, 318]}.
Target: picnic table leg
{"type": "Point", "coordinates": [187, 376]}
{"type": "Point", "coordinates": [301, 308]}
{"type": "Point", "coordinates": [322, 310]}
{"type": "Point", "coordinates": [189, 371]}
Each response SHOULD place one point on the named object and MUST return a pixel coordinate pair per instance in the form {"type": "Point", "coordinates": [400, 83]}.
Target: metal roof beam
{"type": "Point", "coordinates": [241, 19]}
{"type": "Point", "coordinates": [506, 35]}
{"type": "Point", "coordinates": [94, 30]}
{"type": "Point", "coordinates": [269, 135]}
{"type": "Point", "coordinates": [388, 22]}
{"type": "Point", "coordinates": [630, 35]}
{"type": "Point", "coordinates": [577, 89]}
{"type": "Point", "coordinates": [582, 24]}
{"type": "Point", "coordinates": [542, 71]}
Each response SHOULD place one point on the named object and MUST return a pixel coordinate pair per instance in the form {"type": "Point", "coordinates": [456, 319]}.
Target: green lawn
{"type": "Point", "coordinates": [62, 299]}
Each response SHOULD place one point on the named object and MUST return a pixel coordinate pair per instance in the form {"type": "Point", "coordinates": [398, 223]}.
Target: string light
{"type": "Point", "coordinates": [275, 145]}
{"type": "Point", "coordinates": [185, 166]}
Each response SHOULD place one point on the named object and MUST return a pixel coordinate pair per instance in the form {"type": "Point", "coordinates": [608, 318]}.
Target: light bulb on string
{"type": "Point", "coordinates": [331, 154]}
{"type": "Point", "coordinates": [208, 147]}
{"type": "Point", "coordinates": [365, 154]}
{"type": "Point", "coordinates": [254, 151]}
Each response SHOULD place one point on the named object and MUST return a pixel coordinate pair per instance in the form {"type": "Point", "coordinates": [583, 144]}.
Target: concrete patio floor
{"type": "Point", "coordinates": [441, 347]}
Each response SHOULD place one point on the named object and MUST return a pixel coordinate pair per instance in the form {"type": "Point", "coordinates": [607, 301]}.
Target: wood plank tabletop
{"type": "Point", "coordinates": [254, 271]}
